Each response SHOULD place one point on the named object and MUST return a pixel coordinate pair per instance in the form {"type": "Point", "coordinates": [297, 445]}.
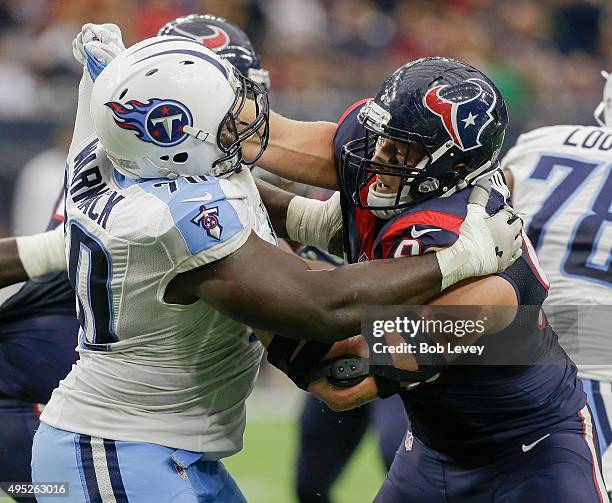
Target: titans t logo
{"type": "Point", "coordinates": [157, 121]}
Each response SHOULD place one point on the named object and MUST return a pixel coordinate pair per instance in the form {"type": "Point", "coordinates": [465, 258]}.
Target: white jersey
{"type": "Point", "coordinates": [149, 371]}
{"type": "Point", "coordinates": [563, 182]}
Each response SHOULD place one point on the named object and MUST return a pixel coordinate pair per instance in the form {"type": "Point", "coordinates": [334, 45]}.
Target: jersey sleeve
{"type": "Point", "coordinates": [417, 233]}
{"type": "Point", "coordinates": [83, 125]}
{"type": "Point", "coordinates": [207, 224]}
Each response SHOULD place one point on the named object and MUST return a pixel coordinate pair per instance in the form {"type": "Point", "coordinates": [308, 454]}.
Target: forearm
{"type": "Point", "coordinates": [289, 299]}
{"type": "Point", "coordinates": [476, 307]}
{"type": "Point", "coordinates": [301, 151]}
{"type": "Point", "coordinates": [327, 305]}
{"type": "Point", "coordinates": [32, 256]}
{"type": "Point", "coordinates": [276, 202]}
{"type": "Point", "coordinates": [297, 150]}
{"type": "Point", "coordinates": [11, 267]}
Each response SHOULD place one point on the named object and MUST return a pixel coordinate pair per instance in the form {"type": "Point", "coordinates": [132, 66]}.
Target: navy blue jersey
{"type": "Point", "coordinates": [471, 407]}
{"type": "Point", "coordinates": [38, 334]}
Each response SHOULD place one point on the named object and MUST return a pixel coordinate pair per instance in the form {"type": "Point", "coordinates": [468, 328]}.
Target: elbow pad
{"type": "Point", "coordinates": [42, 253]}
{"type": "Point", "coordinates": [313, 222]}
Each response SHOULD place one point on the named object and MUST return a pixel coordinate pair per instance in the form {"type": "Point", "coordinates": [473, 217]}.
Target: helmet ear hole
{"type": "Point", "coordinates": [123, 93]}
{"type": "Point", "coordinates": [180, 158]}
{"type": "Point", "coordinates": [165, 157]}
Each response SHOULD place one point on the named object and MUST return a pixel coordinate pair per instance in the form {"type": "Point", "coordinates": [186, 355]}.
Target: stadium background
{"type": "Point", "coordinates": [545, 55]}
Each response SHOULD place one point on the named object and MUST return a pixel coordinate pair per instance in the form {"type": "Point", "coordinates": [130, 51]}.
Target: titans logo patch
{"type": "Point", "coordinates": [156, 121]}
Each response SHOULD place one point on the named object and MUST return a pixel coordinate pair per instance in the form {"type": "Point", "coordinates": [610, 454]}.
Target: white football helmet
{"type": "Point", "coordinates": [603, 112]}
{"type": "Point", "coordinates": [168, 106]}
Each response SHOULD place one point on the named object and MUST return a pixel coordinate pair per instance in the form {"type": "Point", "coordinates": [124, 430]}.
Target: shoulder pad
{"type": "Point", "coordinates": [200, 210]}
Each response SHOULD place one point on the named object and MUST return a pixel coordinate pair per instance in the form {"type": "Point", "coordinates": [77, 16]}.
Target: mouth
{"type": "Point", "coordinates": [382, 188]}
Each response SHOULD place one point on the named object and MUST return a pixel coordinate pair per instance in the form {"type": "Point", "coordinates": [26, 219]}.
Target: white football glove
{"type": "Point", "coordinates": [486, 245]}
{"type": "Point", "coordinates": [96, 46]}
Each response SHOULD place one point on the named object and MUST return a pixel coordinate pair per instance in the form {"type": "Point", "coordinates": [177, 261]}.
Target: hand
{"type": "Point", "coordinates": [96, 46]}
{"type": "Point", "coordinates": [486, 245]}
{"type": "Point", "coordinates": [505, 228]}
{"type": "Point", "coordinates": [353, 346]}
{"type": "Point", "coordinates": [339, 399]}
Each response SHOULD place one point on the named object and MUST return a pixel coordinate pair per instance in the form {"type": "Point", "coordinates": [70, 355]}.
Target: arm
{"type": "Point", "coordinates": [11, 267]}
{"type": "Point", "coordinates": [276, 202]}
{"type": "Point", "coordinates": [486, 295]}
{"type": "Point", "coordinates": [266, 288]}
{"type": "Point", "coordinates": [93, 47]}
{"type": "Point", "coordinates": [297, 150]}
{"type": "Point", "coordinates": [83, 125]}
{"type": "Point", "coordinates": [28, 257]}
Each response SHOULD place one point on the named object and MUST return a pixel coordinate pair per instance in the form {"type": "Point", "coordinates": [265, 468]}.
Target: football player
{"type": "Point", "coordinates": [38, 327]}
{"type": "Point", "coordinates": [169, 249]}
{"type": "Point", "coordinates": [323, 432]}
{"type": "Point", "coordinates": [406, 161]}
{"type": "Point", "coordinates": [561, 177]}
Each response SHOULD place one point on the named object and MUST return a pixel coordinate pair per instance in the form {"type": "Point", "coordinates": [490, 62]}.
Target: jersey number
{"type": "Point", "coordinates": [89, 271]}
{"type": "Point", "coordinates": [588, 251]}
{"type": "Point", "coordinates": [408, 248]}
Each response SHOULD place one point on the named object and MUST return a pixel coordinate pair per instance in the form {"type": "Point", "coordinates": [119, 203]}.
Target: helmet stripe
{"type": "Point", "coordinates": [196, 54]}
{"type": "Point", "coordinates": [165, 41]}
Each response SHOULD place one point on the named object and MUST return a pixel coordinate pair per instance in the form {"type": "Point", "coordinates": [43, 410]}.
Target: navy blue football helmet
{"type": "Point", "coordinates": [223, 37]}
{"type": "Point", "coordinates": [451, 109]}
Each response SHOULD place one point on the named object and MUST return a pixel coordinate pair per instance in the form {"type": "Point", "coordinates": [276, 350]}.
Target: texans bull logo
{"type": "Point", "coordinates": [156, 121]}
{"type": "Point", "coordinates": [465, 110]}
{"type": "Point", "coordinates": [219, 39]}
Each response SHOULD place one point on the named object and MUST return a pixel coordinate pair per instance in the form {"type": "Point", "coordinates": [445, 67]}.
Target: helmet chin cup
{"type": "Point", "coordinates": [379, 201]}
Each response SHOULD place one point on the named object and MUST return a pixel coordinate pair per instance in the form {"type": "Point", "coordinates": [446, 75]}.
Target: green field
{"type": "Point", "coordinates": [264, 469]}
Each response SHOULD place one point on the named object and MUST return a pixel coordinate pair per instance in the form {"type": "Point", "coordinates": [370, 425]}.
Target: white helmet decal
{"type": "Point", "coordinates": [157, 121]}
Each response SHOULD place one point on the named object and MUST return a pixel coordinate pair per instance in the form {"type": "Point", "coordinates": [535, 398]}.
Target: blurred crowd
{"type": "Point", "coordinates": [545, 55]}
{"type": "Point", "coordinates": [322, 53]}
